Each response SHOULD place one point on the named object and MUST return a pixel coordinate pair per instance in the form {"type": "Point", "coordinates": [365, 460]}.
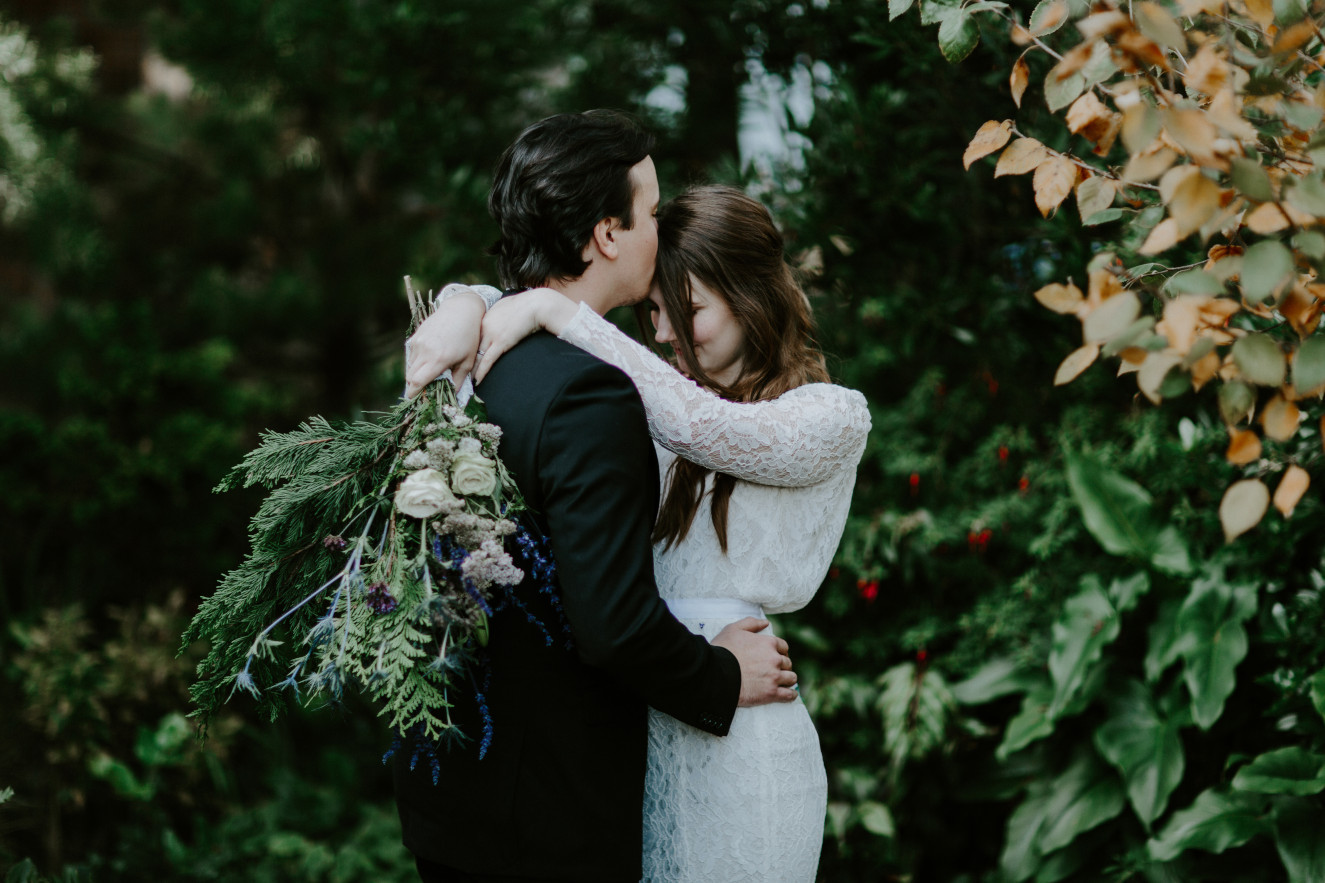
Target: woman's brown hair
{"type": "Point", "coordinates": [729, 243]}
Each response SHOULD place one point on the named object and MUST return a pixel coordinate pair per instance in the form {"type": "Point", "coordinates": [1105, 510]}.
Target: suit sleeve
{"type": "Point", "coordinates": [598, 479]}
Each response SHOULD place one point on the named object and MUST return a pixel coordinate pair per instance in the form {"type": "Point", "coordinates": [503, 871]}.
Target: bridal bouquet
{"type": "Point", "coordinates": [377, 559]}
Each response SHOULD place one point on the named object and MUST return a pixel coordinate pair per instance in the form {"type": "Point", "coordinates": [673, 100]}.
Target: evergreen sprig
{"type": "Point", "coordinates": [376, 559]}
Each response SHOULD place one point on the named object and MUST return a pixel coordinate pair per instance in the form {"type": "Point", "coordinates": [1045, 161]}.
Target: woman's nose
{"type": "Point", "coordinates": [662, 328]}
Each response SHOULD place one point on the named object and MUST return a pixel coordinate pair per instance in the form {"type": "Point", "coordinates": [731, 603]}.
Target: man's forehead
{"type": "Point", "coordinates": [645, 177]}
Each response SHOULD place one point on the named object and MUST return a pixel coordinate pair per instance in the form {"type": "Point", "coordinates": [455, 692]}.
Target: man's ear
{"type": "Point", "coordinates": [604, 237]}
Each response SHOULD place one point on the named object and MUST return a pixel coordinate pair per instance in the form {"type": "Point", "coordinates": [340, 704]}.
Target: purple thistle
{"type": "Point", "coordinates": [483, 710]}
{"type": "Point", "coordinates": [380, 599]}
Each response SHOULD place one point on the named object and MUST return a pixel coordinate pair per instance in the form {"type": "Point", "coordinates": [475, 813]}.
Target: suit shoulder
{"type": "Point", "coordinates": [543, 365]}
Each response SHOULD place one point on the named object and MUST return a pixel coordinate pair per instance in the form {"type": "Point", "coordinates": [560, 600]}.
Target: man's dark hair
{"type": "Point", "coordinates": [561, 177]}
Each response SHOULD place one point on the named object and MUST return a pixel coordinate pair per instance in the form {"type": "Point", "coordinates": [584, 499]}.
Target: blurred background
{"type": "Point", "coordinates": [206, 209]}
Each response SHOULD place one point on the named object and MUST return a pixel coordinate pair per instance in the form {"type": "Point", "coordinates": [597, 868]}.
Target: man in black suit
{"type": "Point", "coordinates": [559, 795]}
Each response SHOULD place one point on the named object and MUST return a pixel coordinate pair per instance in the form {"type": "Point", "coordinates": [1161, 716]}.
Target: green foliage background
{"type": "Point", "coordinates": [179, 274]}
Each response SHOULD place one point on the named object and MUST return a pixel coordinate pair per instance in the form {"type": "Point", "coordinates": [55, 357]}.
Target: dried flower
{"type": "Point", "coordinates": [334, 543]}
{"type": "Point", "coordinates": [489, 565]}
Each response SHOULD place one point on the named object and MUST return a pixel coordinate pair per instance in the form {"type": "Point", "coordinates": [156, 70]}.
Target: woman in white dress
{"type": "Point", "coordinates": [758, 454]}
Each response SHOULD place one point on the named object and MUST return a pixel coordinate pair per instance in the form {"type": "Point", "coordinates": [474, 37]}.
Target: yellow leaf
{"type": "Point", "coordinates": [1076, 362]}
{"type": "Point", "coordinates": [1141, 122]}
{"type": "Point", "coordinates": [1094, 195]}
{"type": "Point", "coordinates": [1291, 488]}
{"type": "Point", "coordinates": [1244, 447]}
{"type": "Point", "coordinates": [1162, 238]}
{"type": "Point", "coordinates": [1092, 120]}
{"type": "Point", "coordinates": [1052, 18]}
{"type": "Point", "coordinates": [1103, 285]}
{"type": "Point", "coordinates": [1148, 166]}
{"type": "Point", "coordinates": [1294, 37]}
{"type": "Point", "coordinates": [1182, 321]}
{"type": "Point", "coordinates": [1271, 217]}
{"type": "Point", "coordinates": [991, 136]}
{"type": "Point", "coordinates": [1194, 133]}
{"type": "Point", "coordinates": [1261, 12]}
{"type": "Point", "coordinates": [1053, 182]}
{"type": "Point", "coordinates": [1066, 299]}
{"type": "Point", "coordinates": [1207, 71]}
{"type": "Point", "coordinates": [1159, 26]}
{"type": "Point", "coordinates": [1153, 371]}
{"type": "Point", "coordinates": [1225, 111]}
{"type": "Point", "coordinates": [1103, 24]}
{"type": "Point", "coordinates": [1111, 318]}
{"type": "Point", "coordinates": [1020, 79]}
{"type": "Point", "coordinates": [1204, 370]}
{"type": "Point", "coordinates": [1022, 156]}
{"type": "Point", "coordinates": [1243, 507]}
{"type": "Point", "coordinates": [1194, 201]}
{"type": "Point", "coordinates": [1280, 419]}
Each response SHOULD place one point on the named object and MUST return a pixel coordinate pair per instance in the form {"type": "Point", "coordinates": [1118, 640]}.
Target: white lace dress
{"type": "Point", "coordinates": [748, 806]}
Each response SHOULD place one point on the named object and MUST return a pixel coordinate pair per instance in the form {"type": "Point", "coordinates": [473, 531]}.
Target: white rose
{"type": "Point", "coordinates": [425, 493]}
{"type": "Point", "coordinates": [473, 475]}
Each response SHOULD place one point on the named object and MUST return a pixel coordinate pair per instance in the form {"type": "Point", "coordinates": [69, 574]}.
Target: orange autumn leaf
{"type": "Point", "coordinates": [1149, 165]}
{"type": "Point", "coordinates": [1022, 156]}
{"type": "Point", "coordinates": [1065, 299]}
{"type": "Point", "coordinates": [991, 136]}
{"type": "Point", "coordinates": [1076, 362]}
{"type": "Point", "coordinates": [1053, 182]}
{"type": "Point", "coordinates": [1205, 369]}
{"type": "Point", "coordinates": [1020, 79]}
{"type": "Point", "coordinates": [1243, 507]}
{"type": "Point", "coordinates": [1244, 447]}
{"type": "Point", "coordinates": [1162, 238]}
{"type": "Point", "coordinates": [1280, 419]}
{"type": "Point", "coordinates": [1291, 488]}
{"type": "Point", "coordinates": [1207, 71]}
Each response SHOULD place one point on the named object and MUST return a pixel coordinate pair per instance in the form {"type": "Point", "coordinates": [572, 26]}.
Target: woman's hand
{"type": "Point", "coordinates": [517, 316]}
{"type": "Point", "coordinates": [447, 340]}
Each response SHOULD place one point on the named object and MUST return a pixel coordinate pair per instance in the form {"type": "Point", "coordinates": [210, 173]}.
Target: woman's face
{"type": "Point", "coordinates": [719, 340]}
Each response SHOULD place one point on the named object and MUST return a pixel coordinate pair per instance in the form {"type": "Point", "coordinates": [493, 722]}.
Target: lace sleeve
{"type": "Point", "coordinates": [489, 294]}
{"type": "Point", "coordinates": [800, 438]}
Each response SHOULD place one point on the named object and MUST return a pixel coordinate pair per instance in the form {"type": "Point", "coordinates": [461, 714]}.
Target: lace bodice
{"type": "Point", "coordinates": [796, 456]}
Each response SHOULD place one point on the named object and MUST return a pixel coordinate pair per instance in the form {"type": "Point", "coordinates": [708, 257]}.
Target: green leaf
{"type": "Point", "coordinates": [1194, 282]}
{"type": "Point", "coordinates": [1166, 644]}
{"type": "Point", "coordinates": [1118, 513]}
{"type": "Point", "coordinates": [1216, 821]}
{"type": "Point", "coordinates": [1235, 402]}
{"type": "Point", "coordinates": [1260, 359]}
{"type": "Point", "coordinates": [1318, 692]}
{"type": "Point", "coordinates": [916, 706]}
{"type": "Point", "coordinates": [934, 12]}
{"type": "Point", "coordinates": [1103, 217]}
{"type": "Point", "coordinates": [1056, 811]}
{"type": "Point", "coordinates": [1088, 624]}
{"type": "Point", "coordinates": [1214, 642]}
{"type": "Point", "coordinates": [1288, 11]}
{"type": "Point", "coordinates": [898, 8]}
{"type": "Point", "coordinates": [1249, 176]}
{"type": "Point", "coordinates": [1308, 194]}
{"type": "Point", "coordinates": [1031, 724]}
{"type": "Point", "coordinates": [1297, 835]}
{"type": "Point", "coordinates": [875, 818]}
{"type": "Point", "coordinates": [1058, 94]}
{"type": "Point", "coordinates": [1311, 243]}
{"type": "Point", "coordinates": [1309, 364]}
{"type": "Point", "coordinates": [1124, 593]}
{"type": "Point", "coordinates": [958, 35]}
{"type": "Point", "coordinates": [1145, 748]}
{"type": "Point", "coordinates": [1290, 770]}
{"type": "Point", "coordinates": [1266, 266]}
{"type": "Point", "coordinates": [997, 677]}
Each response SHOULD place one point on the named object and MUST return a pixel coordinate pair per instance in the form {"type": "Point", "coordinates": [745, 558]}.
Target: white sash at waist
{"type": "Point", "coordinates": [730, 609]}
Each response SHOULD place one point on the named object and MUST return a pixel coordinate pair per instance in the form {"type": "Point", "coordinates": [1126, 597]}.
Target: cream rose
{"type": "Point", "coordinates": [425, 493]}
{"type": "Point", "coordinates": [473, 475]}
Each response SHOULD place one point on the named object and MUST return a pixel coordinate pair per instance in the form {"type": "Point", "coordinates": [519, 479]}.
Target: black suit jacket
{"type": "Point", "coordinates": [560, 792]}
